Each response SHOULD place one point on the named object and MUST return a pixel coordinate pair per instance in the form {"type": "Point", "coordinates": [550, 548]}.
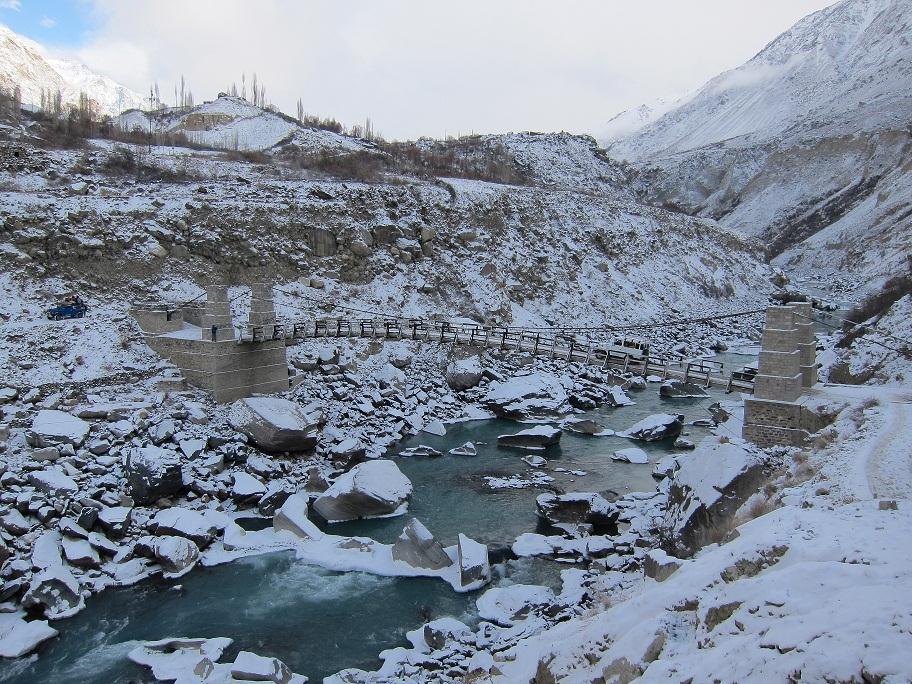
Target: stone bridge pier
{"type": "Point", "coordinates": [774, 416]}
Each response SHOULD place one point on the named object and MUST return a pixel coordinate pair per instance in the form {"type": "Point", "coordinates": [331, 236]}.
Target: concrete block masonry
{"type": "Point", "coordinates": [201, 342]}
{"type": "Point", "coordinates": [773, 416]}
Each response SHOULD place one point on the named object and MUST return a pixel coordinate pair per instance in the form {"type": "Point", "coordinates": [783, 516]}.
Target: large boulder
{"type": "Point", "coordinates": [710, 485]}
{"type": "Point", "coordinates": [656, 427]}
{"type": "Point", "coordinates": [275, 424]}
{"type": "Point", "coordinates": [56, 591]}
{"type": "Point", "coordinates": [53, 481]}
{"type": "Point", "coordinates": [176, 555]}
{"type": "Point", "coordinates": [576, 508]}
{"type": "Point", "coordinates": [678, 389]}
{"type": "Point", "coordinates": [417, 547]}
{"type": "Point", "coordinates": [50, 428]}
{"type": "Point", "coordinates": [371, 489]}
{"type": "Point", "coordinates": [250, 667]}
{"type": "Point", "coordinates": [537, 438]}
{"type": "Point", "coordinates": [538, 394]}
{"type": "Point", "coordinates": [474, 567]}
{"type": "Point", "coordinates": [463, 374]}
{"type": "Point", "coordinates": [184, 522]}
{"type": "Point", "coordinates": [292, 517]}
{"type": "Point", "coordinates": [153, 473]}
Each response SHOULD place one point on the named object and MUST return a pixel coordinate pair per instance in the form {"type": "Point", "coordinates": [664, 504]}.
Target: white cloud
{"type": "Point", "coordinates": [48, 22]}
{"type": "Point", "coordinates": [428, 67]}
{"type": "Point", "coordinates": [15, 5]}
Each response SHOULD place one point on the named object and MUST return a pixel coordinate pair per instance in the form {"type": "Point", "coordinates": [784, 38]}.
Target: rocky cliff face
{"type": "Point", "coordinates": [806, 146]}
{"type": "Point", "coordinates": [493, 252]}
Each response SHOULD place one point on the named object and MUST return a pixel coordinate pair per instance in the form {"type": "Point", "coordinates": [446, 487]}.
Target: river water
{"type": "Point", "coordinates": [319, 621]}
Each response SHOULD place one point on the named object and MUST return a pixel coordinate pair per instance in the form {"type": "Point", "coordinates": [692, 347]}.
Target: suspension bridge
{"type": "Point", "coordinates": [202, 340]}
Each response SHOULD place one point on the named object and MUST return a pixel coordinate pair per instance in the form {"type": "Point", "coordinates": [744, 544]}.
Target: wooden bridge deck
{"type": "Point", "coordinates": [566, 347]}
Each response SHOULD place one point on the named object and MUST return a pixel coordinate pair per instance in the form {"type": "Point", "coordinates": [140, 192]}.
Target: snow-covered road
{"type": "Point", "coordinates": [889, 464]}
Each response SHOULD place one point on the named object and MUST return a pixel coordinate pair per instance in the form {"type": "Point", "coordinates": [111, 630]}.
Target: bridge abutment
{"type": "Point", "coordinates": [205, 347]}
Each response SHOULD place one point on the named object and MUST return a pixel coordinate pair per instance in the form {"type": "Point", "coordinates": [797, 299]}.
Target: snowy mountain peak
{"type": "Point", "coordinates": [24, 63]}
{"type": "Point", "coordinates": [849, 55]}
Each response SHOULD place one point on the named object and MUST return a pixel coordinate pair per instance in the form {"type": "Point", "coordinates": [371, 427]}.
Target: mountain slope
{"type": "Point", "coordinates": [23, 63]}
{"type": "Point", "coordinates": [807, 145]}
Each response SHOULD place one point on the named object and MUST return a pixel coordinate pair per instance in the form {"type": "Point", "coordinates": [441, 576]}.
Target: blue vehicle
{"type": "Point", "coordinates": [71, 307]}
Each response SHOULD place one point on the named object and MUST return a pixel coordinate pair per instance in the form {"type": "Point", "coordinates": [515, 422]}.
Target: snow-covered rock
{"type": "Point", "coordinates": [536, 438]}
{"type": "Point", "coordinates": [56, 591]}
{"type": "Point", "coordinates": [463, 374]}
{"type": "Point", "coordinates": [51, 428]}
{"type": "Point", "coordinates": [474, 567]}
{"type": "Point", "coordinates": [505, 605]}
{"type": "Point", "coordinates": [576, 508]}
{"type": "Point", "coordinates": [246, 487]}
{"type": "Point", "coordinates": [153, 473]}
{"type": "Point", "coordinates": [631, 455]}
{"type": "Point", "coordinates": [184, 522]}
{"type": "Point", "coordinates": [467, 449]}
{"type": "Point", "coordinates": [53, 481]}
{"type": "Point", "coordinates": [177, 658]}
{"type": "Point", "coordinates": [176, 555]}
{"type": "Point", "coordinates": [292, 517]}
{"type": "Point", "coordinates": [418, 547]}
{"type": "Point", "coordinates": [527, 395]}
{"type": "Point", "coordinates": [371, 489]}
{"type": "Point", "coordinates": [249, 666]}
{"type": "Point", "coordinates": [18, 637]}
{"type": "Point", "coordinates": [276, 424]}
{"type": "Point", "coordinates": [656, 427]}
{"type": "Point", "coordinates": [678, 389]}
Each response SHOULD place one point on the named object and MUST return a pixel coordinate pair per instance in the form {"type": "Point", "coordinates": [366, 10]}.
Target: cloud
{"type": "Point", "coordinates": [48, 22]}
{"type": "Point", "coordinates": [430, 67]}
{"type": "Point", "coordinates": [15, 5]}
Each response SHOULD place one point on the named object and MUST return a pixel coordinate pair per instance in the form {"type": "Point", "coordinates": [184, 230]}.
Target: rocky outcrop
{"type": "Point", "coordinates": [369, 490]}
{"type": "Point", "coordinates": [707, 489]}
{"type": "Point", "coordinates": [275, 424]}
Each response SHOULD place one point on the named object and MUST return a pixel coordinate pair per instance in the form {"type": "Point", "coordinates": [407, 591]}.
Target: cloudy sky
{"type": "Point", "coordinates": [418, 67]}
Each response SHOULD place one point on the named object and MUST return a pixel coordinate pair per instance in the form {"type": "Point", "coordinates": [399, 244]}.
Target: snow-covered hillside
{"type": "Point", "coordinates": [806, 145]}
{"type": "Point", "coordinates": [233, 123]}
{"type": "Point", "coordinates": [25, 64]}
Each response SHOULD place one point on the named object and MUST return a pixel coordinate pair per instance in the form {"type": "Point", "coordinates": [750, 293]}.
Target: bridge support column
{"type": "Point", "coordinates": [773, 417]}
{"type": "Point", "coordinates": [217, 315]}
{"type": "Point", "coordinates": [262, 309]}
